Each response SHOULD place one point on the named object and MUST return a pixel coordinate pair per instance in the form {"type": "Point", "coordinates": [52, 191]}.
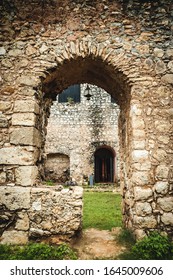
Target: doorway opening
{"type": "Point", "coordinates": [104, 165]}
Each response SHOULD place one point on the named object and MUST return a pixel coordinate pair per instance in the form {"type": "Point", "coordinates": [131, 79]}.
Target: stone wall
{"type": "Point", "coordinates": [31, 213]}
{"type": "Point", "coordinates": [121, 46]}
{"type": "Point", "coordinates": [57, 167]}
{"type": "Point", "coordinates": [78, 129]}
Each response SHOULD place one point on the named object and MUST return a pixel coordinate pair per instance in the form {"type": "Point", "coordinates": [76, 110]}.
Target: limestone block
{"type": "Point", "coordinates": [77, 192]}
{"type": "Point", "coordinates": [163, 126]}
{"type": "Point", "coordinates": [2, 177]}
{"type": "Point", "coordinates": [140, 155]}
{"type": "Point", "coordinates": [139, 145]}
{"type": "Point", "coordinates": [17, 155]}
{"type": "Point", "coordinates": [5, 105]}
{"type": "Point", "coordinates": [23, 222]}
{"type": "Point", "coordinates": [140, 178]}
{"type": "Point", "coordinates": [162, 172]}
{"type": "Point", "coordinates": [138, 134]}
{"type": "Point", "coordinates": [26, 175]}
{"type": "Point", "coordinates": [170, 66]}
{"type": "Point", "coordinates": [143, 208]}
{"type": "Point", "coordinates": [2, 50]}
{"type": "Point", "coordinates": [145, 222]}
{"type": "Point", "coordinates": [160, 155]}
{"type": "Point", "coordinates": [36, 205]}
{"type": "Point", "coordinates": [23, 106]}
{"type": "Point", "coordinates": [144, 166]}
{"type": "Point", "coordinates": [135, 110]}
{"type": "Point", "coordinates": [15, 52]}
{"type": "Point", "coordinates": [164, 139]}
{"type": "Point", "coordinates": [55, 211]}
{"type": "Point", "coordinates": [15, 198]}
{"type": "Point", "coordinates": [168, 78]}
{"type": "Point", "coordinates": [3, 121]}
{"type": "Point", "coordinates": [139, 233]}
{"type": "Point", "coordinates": [169, 52]}
{"type": "Point", "coordinates": [14, 237]}
{"type": "Point", "coordinates": [160, 67]}
{"type": "Point", "coordinates": [25, 136]}
{"type": "Point", "coordinates": [161, 187]}
{"type": "Point", "coordinates": [28, 81]}
{"type": "Point", "coordinates": [25, 119]}
{"type": "Point", "coordinates": [167, 218]}
{"type": "Point", "coordinates": [158, 52]}
{"type": "Point", "coordinates": [137, 123]}
{"type": "Point", "coordinates": [166, 203]}
{"type": "Point", "coordinates": [142, 193]}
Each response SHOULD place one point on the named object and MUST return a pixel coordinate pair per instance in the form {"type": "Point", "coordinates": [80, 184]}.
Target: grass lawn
{"type": "Point", "coordinates": [102, 210]}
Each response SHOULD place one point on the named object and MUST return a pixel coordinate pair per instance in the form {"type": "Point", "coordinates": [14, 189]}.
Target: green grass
{"type": "Point", "coordinates": [36, 251]}
{"type": "Point", "coordinates": [102, 210]}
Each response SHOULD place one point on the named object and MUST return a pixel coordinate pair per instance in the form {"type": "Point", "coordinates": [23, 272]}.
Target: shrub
{"type": "Point", "coordinates": [36, 251]}
{"type": "Point", "coordinates": [153, 247]}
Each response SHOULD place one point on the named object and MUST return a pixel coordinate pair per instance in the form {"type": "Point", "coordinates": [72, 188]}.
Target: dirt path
{"type": "Point", "coordinates": [98, 244]}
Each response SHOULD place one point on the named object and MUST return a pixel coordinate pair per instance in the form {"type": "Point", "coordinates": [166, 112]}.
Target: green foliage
{"type": "Point", "coordinates": [36, 251]}
{"type": "Point", "coordinates": [153, 247]}
{"type": "Point", "coordinates": [102, 210]}
{"type": "Point", "coordinates": [70, 100]}
{"type": "Point", "coordinates": [49, 183]}
{"type": "Point", "coordinates": [126, 237]}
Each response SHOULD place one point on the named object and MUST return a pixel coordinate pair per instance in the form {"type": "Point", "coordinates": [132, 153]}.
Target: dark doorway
{"type": "Point", "coordinates": [104, 166]}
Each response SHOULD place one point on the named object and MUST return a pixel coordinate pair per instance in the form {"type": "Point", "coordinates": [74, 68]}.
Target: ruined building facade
{"type": "Point", "coordinates": [82, 137]}
{"type": "Point", "coordinates": [122, 46]}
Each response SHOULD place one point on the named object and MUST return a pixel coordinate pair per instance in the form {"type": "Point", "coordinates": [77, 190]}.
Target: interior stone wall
{"type": "Point", "coordinates": [57, 167]}
{"type": "Point", "coordinates": [78, 129]}
{"type": "Point", "coordinates": [122, 46]}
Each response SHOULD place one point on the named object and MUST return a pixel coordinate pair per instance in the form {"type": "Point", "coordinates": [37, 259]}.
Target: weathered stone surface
{"type": "Point", "coordinates": [25, 136]}
{"type": "Point", "coordinates": [161, 187]}
{"type": "Point", "coordinates": [26, 175]}
{"type": "Point", "coordinates": [14, 237]}
{"type": "Point", "coordinates": [3, 121]}
{"type": "Point", "coordinates": [142, 193]}
{"type": "Point", "coordinates": [24, 119]}
{"type": "Point", "coordinates": [2, 177]}
{"type": "Point", "coordinates": [145, 222]}
{"type": "Point", "coordinates": [28, 81]}
{"type": "Point", "coordinates": [2, 51]}
{"type": "Point", "coordinates": [141, 178]}
{"type": "Point", "coordinates": [139, 155]}
{"type": "Point", "coordinates": [15, 198]}
{"type": "Point", "coordinates": [167, 219]}
{"type": "Point", "coordinates": [23, 106]}
{"type": "Point", "coordinates": [23, 222]}
{"type": "Point", "coordinates": [162, 172]}
{"type": "Point", "coordinates": [53, 211]}
{"type": "Point", "coordinates": [143, 208]}
{"type": "Point", "coordinates": [168, 78]}
{"type": "Point", "coordinates": [139, 233]}
{"type": "Point", "coordinates": [5, 105]}
{"type": "Point", "coordinates": [166, 203]}
{"type": "Point", "coordinates": [120, 51]}
{"type": "Point", "coordinates": [18, 155]}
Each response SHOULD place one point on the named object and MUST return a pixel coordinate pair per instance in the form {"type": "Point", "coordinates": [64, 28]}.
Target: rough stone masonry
{"type": "Point", "coordinates": [123, 46]}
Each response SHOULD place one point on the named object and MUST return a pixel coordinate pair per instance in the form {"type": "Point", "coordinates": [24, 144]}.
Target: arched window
{"type": "Point", "coordinates": [71, 94]}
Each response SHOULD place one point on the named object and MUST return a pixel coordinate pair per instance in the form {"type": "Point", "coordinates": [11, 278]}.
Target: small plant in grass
{"type": "Point", "coordinates": [36, 251]}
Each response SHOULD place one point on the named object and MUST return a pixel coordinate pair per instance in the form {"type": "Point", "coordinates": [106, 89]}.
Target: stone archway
{"type": "Point", "coordinates": [40, 58]}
